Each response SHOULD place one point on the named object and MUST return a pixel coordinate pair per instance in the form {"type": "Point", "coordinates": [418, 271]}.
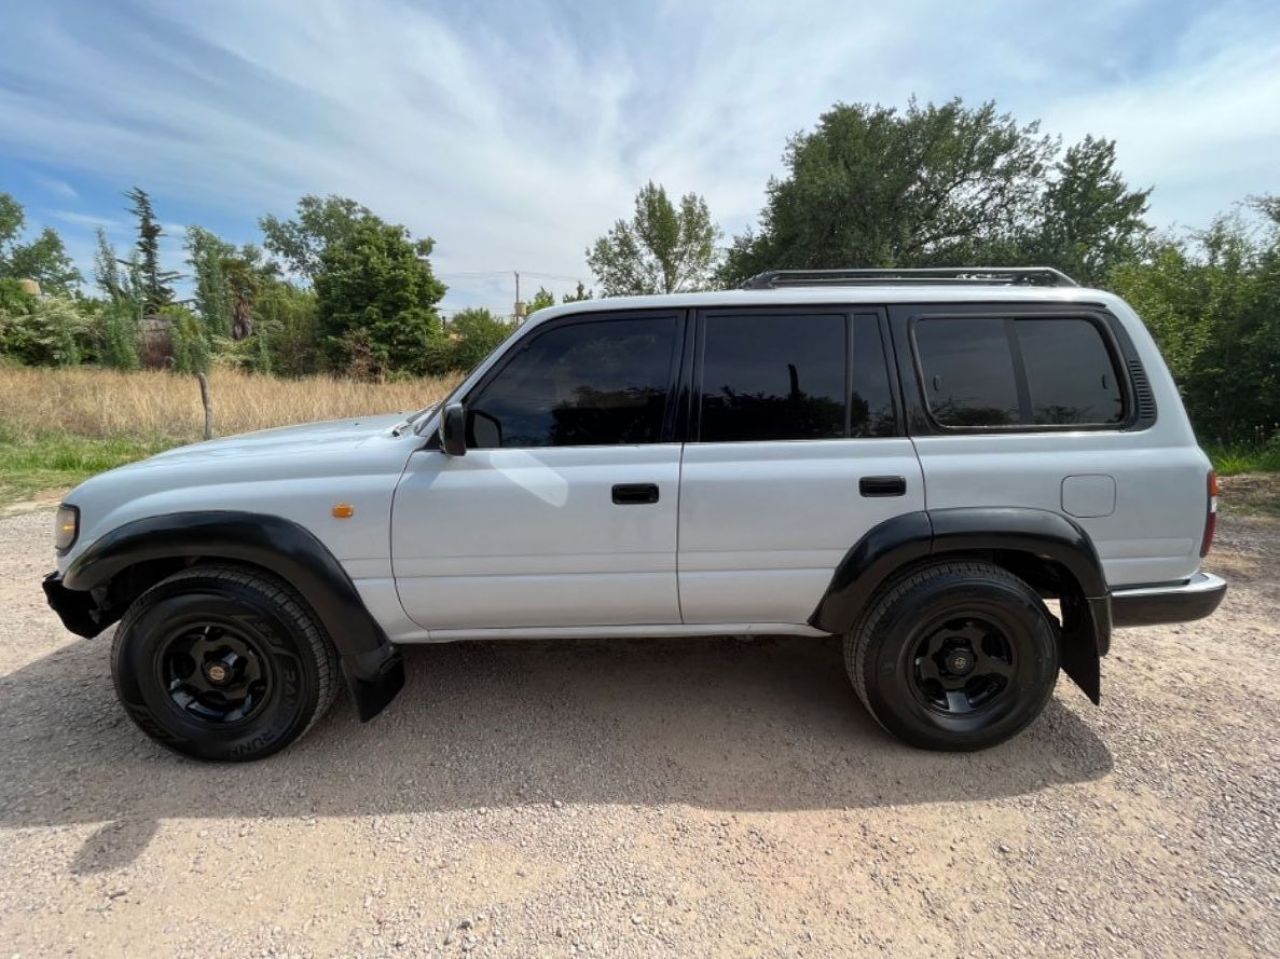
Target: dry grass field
{"type": "Point", "coordinates": [105, 404]}
{"type": "Point", "coordinates": [59, 426]}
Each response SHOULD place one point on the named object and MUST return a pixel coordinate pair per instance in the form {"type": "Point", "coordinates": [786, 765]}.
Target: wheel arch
{"type": "Point", "coordinates": [123, 563]}
{"type": "Point", "coordinates": [1048, 551]}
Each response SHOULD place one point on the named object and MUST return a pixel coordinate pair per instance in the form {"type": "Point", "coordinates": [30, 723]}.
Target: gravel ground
{"type": "Point", "coordinates": [702, 798]}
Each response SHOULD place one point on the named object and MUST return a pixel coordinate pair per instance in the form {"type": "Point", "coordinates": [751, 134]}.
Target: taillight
{"type": "Point", "coordinates": [1211, 515]}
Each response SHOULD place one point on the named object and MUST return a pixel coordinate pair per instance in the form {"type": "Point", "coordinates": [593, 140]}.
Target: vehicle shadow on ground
{"type": "Point", "coordinates": [719, 724]}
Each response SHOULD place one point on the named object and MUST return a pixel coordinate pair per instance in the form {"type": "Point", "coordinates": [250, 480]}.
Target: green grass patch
{"type": "Point", "coordinates": [51, 462]}
{"type": "Point", "coordinates": [1233, 460]}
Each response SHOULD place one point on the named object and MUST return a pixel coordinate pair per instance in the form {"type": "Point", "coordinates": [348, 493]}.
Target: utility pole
{"type": "Point", "coordinates": [519, 302]}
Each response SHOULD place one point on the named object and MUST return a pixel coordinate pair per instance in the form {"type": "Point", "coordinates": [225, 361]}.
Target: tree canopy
{"type": "Point", "coordinates": [157, 284]}
{"type": "Point", "coordinates": [43, 259]}
{"type": "Point", "coordinates": [932, 185]}
{"type": "Point", "coordinates": [376, 297]}
{"type": "Point", "coordinates": [300, 243]}
{"type": "Point", "coordinates": [661, 249]}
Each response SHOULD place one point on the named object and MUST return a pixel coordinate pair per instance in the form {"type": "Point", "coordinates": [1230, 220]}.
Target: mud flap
{"type": "Point", "coordinates": [1086, 638]}
{"type": "Point", "coordinates": [374, 678]}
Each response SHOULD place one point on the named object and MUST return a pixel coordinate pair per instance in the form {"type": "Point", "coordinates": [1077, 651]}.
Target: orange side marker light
{"type": "Point", "coordinates": [343, 511]}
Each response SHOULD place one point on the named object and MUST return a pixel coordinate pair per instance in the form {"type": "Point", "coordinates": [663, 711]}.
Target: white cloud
{"type": "Point", "coordinates": [89, 220]}
{"type": "Point", "coordinates": [516, 134]}
{"type": "Point", "coordinates": [59, 188]}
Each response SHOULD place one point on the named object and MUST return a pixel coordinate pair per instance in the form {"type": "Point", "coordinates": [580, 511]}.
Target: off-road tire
{"type": "Point", "coordinates": [288, 643]}
{"type": "Point", "coordinates": [882, 654]}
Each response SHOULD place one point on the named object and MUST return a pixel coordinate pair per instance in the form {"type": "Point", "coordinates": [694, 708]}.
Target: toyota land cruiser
{"type": "Point", "coordinates": [969, 475]}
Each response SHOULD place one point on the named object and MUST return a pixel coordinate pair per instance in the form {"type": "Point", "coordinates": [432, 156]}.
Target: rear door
{"type": "Point", "coordinates": [795, 451]}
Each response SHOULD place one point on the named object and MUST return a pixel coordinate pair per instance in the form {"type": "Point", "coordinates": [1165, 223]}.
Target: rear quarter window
{"type": "Point", "coordinates": [1023, 372]}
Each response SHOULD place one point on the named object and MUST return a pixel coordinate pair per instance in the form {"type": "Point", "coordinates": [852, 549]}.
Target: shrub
{"type": "Point", "coordinates": [187, 337]}
{"type": "Point", "coordinates": [51, 332]}
{"type": "Point", "coordinates": [119, 336]}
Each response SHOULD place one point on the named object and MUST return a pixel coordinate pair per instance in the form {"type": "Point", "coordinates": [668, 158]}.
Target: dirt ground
{"type": "Point", "coordinates": [702, 798]}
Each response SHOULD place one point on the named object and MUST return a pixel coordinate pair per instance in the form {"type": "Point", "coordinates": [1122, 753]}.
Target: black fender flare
{"type": "Point", "coordinates": [913, 537]}
{"type": "Point", "coordinates": [372, 665]}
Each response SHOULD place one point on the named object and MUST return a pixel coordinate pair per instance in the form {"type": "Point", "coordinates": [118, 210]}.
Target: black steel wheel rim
{"type": "Point", "coordinates": [215, 672]}
{"type": "Point", "coordinates": [963, 663]}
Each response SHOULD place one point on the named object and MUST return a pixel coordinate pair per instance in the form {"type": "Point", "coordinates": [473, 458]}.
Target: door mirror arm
{"type": "Point", "coordinates": [453, 429]}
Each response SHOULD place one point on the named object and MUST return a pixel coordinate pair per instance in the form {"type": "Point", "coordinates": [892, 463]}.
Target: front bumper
{"type": "Point", "coordinates": [1181, 602]}
{"type": "Point", "coordinates": [79, 610]}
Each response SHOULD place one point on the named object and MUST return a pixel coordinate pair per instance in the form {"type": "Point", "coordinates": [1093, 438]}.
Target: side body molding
{"type": "Point", "coordinates": [372, 665]}
{"type": "Point", "coordinates": [1043, 542]}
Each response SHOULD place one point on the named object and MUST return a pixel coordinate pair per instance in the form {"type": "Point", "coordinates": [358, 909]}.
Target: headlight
{"type": "Point", "coordinates": [66, 527]}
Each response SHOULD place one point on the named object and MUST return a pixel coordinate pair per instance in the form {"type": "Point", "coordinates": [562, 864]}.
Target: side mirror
{"type": "Point", "coordinates": [453, 429]}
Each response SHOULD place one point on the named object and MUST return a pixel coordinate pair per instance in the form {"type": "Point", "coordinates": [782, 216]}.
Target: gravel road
{"type": "Point", "coordinates": [702, 798]}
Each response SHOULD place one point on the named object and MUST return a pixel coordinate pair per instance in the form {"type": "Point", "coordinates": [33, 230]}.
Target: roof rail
{"type": "Point", "coordinates": [976, 275]}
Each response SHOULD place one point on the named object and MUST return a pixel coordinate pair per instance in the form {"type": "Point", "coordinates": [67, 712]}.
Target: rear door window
{"type": "Point", "coordinates": [773, 377]}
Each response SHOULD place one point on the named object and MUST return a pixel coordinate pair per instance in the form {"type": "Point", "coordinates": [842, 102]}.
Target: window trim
{"type": "Point", "coordinates": [1022, 384]}
{"type": "Point", "coordinates": [851, 313]}
{"type": "Point", "coordinates": [667, 433]}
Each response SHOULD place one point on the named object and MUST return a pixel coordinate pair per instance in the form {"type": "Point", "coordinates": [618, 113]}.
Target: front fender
{"type": "Point", "coordinates": [371, 663]}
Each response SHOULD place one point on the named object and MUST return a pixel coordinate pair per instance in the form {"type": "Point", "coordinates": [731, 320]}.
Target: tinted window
{"type": "Point", "coordinates": [871, 406]}
{"type": "Point", "coordinates": [773, 378]}
{"type": "Point", "coordinates": [589, 384]}
{"type": "Point", "coordinates": [1069, 373]}
{"type": "Point", "coordinates": [968, 372]}
{"type": "Point", "coordinates": [971, 375]}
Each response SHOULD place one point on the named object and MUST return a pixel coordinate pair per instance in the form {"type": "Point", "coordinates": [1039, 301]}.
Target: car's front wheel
{"type": "Point", "coordinates": [954, 656]}
{"type": "Point", "coordinates": [223, 663]}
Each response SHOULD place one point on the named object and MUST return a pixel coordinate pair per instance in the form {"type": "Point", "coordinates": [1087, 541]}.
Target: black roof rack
{"type": "Point", "coordinates": [976, 275]}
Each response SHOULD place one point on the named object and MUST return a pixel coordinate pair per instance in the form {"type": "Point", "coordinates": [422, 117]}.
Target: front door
{"type": "Point", "coordinates": [562, 512]}
{"type": "Point", "coordinates": [796, 451]}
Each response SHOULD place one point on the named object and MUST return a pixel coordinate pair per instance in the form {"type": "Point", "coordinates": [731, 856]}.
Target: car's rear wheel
{"type": "Point", "coordinates": [954, 656]}
{"type": "Point", "coordinates": [223, 663]}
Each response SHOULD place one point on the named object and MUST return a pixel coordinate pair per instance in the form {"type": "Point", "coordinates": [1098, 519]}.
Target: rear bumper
{"type": "Point", "coordinates": [1168, 603]}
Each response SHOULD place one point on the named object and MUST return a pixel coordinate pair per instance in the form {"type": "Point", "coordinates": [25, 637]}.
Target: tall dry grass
{"type": "Point", "coordinates": [166, 406]}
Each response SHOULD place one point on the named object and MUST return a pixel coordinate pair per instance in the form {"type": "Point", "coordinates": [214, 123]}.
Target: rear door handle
{"type": "Point", "coordinates": [883, 486]}
{"type": "Point", "coordinates": [635, 493]}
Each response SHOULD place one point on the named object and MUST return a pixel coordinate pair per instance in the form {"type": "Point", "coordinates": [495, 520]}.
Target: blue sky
{"type": "Point", "coordinates": [516, 132]}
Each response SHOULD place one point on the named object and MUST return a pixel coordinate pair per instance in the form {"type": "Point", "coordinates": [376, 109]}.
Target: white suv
{"type": "Point", "coordinates": [913, 460]}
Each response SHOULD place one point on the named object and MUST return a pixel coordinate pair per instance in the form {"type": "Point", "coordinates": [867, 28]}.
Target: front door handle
{"type": "Point", "coordinates": [635, 493]}
{"type": "Point", "coordinates": [883, 486]}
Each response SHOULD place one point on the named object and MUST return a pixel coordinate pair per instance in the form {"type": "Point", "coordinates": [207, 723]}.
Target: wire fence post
{"type": "Point", "coordinates": [208, 405]}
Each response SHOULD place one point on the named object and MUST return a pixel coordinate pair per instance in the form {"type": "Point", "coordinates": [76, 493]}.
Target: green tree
{"type": "Point", "coordinates": [875, 187]}
{"type": "Point", "coordinates": [319, 222]}
{"type": "Point", "coordinates": [157, 284]}
{"type": "Point", "coordinates": [578, 295]}
{"type": "Point", "coordinates": [541, 300]}
{"type": "Point", "coordinates": [662, 249]}
{"type": "Point", "coordinates": [475, 334]}
{"type": "Point", "coordinates": [1091, 221]}
{"type": "Point", "coordinates": [121, 284]}
{"type": "Point", "coordinates": [243, 284]}
{"type": "Point", "coordinates": [1212, 301]}
{"type": "Point", "coordinates": [286, 326]}
{"type": "Point", "coordinates": [187, 337]}
{"type": "Point", "coordinates": [206, 254]}
{"type": "Point", "coordinates": [43, 259]}
{"type": "Point", "coordinates": [376, 299]}
{"type": "Point", "coordinates": [119, 338]}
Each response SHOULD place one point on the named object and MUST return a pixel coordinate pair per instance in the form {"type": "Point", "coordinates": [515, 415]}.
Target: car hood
{"type": "Point", "coordinates": [309, 437]}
